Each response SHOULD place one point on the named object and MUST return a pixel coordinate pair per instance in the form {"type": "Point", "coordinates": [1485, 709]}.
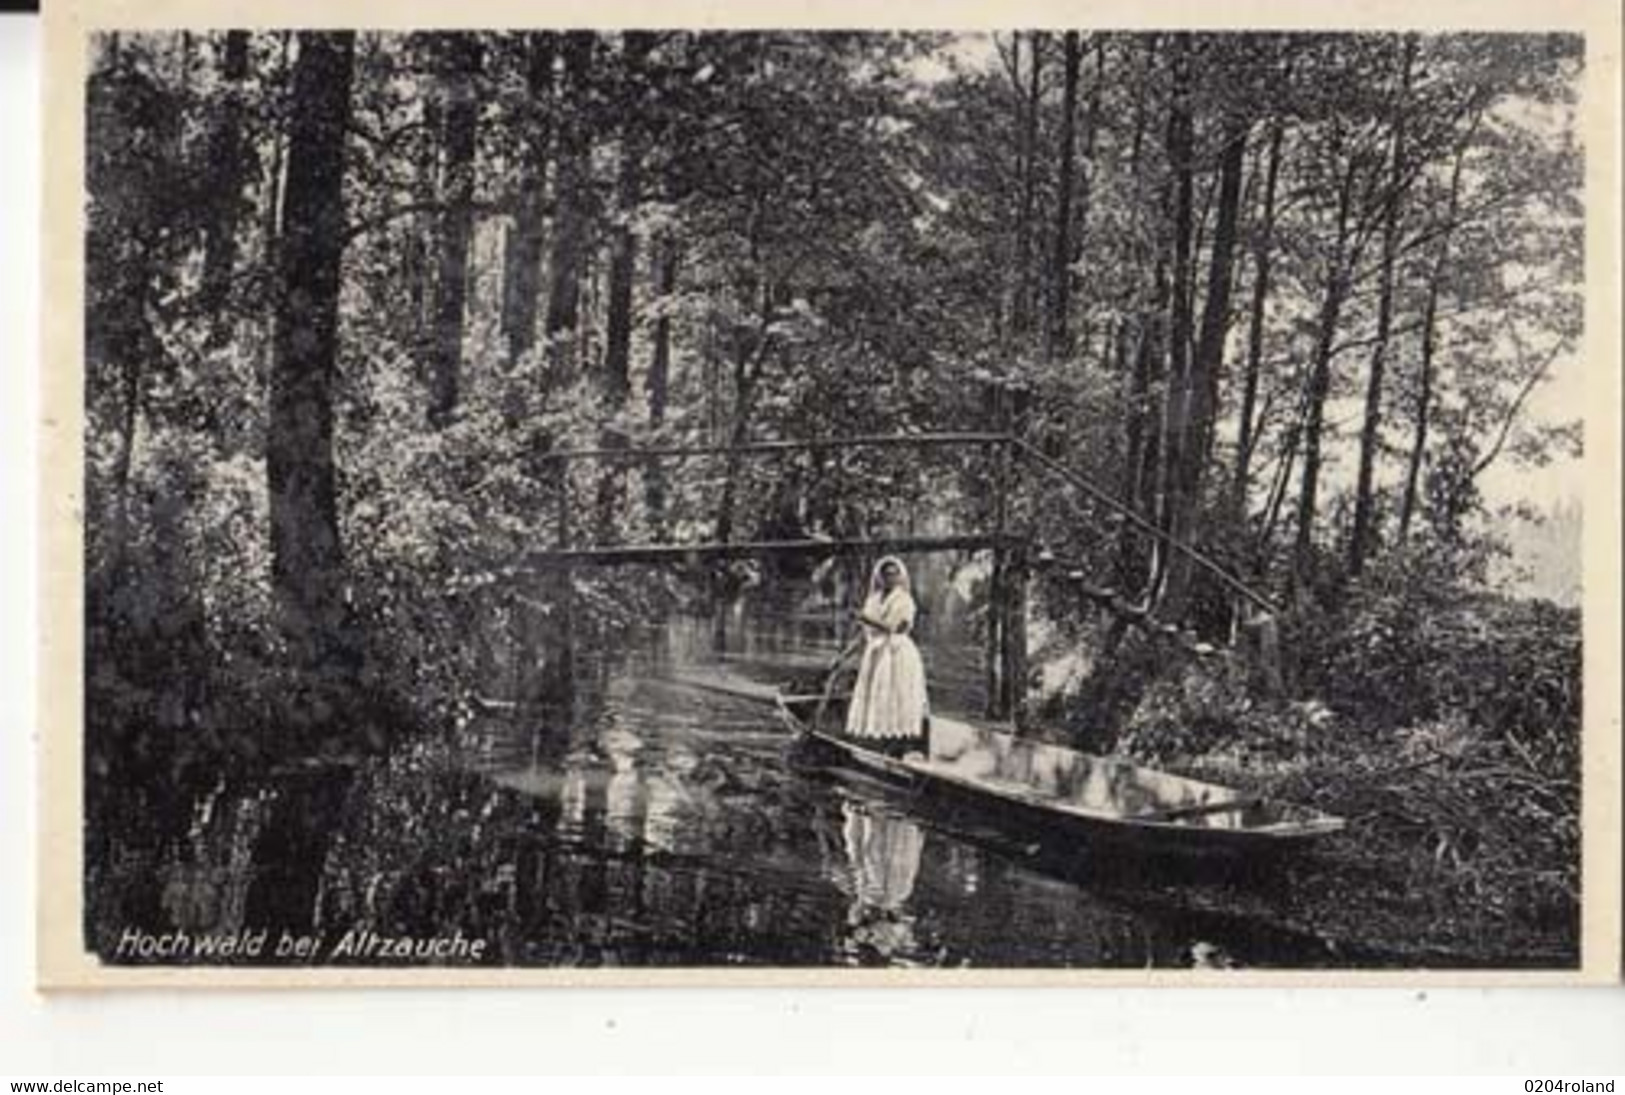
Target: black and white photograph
{"type": "Point", "coordinates": [646, 498]}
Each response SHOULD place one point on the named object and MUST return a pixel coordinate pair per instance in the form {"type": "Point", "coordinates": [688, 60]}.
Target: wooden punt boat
{"type": "Point", "coordinates": [1063, 797]}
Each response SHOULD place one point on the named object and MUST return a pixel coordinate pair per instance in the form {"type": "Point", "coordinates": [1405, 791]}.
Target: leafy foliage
{"type": "Point", "coordinates": [683, 238]}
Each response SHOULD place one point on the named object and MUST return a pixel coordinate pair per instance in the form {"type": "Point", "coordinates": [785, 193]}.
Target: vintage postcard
{"type": "Point", "coordinates": [831, 494]}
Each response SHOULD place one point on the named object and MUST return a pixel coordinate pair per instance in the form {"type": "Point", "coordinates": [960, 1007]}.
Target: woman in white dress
{"type": "Point", "coordinates": [889, 710]}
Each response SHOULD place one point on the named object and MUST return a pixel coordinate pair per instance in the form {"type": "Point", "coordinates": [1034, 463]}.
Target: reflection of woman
{"type": "Point", "coordinates": [883, 857]}
{"type": "Point", "coordinates": [884, 852]}
{"type": "Point", "coordinates": [888, 710]}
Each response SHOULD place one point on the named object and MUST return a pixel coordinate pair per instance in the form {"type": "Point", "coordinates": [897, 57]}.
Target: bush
{"type": "Point", "coordinates": [1442, 721]}
{"type": "Point", "coordinates": [1410, 644]}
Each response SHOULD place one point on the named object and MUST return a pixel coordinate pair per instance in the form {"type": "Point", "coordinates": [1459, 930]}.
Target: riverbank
{"type": "Point", "coordinates": [1446, 735]}
{"type": "Point", "coordinates": [1426, 874]}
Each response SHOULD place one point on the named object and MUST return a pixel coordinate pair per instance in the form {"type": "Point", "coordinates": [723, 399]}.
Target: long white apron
{"type": "Point", "coordinates": [889, 700]}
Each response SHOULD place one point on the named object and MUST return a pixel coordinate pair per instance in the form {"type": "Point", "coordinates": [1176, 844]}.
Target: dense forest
{"type": "Point", "coordinates": [1281, 300]}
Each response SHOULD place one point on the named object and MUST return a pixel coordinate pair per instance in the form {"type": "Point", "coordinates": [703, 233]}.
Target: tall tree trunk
{"type": "Point", "coordinates": [1276, 499]}
{"type": "Point", "coordinates": [522, 266]}
{"type": "Point", "coordinates": [306, 560]}
{"type": "Point", "coordinates": [750, 346]}
{"type": "Point", "coordinates": [272, 226]}
{"type": "Point", "coordinates": [461, 54]}
{"type": "Point", "coordinates": [1339, 274]}
{"type": "Point", "coordinates": [118, 335]}
{"type": "Point", "coordinates": [659, 379]}
{"type": "Point", "coordinates": [617, 375]}
{"type": "Point", "coordinates": [423, 254]}
{"type": "Point", "coordinates": [1143, 438]}
{"type": "Point", "coordinates": [1086, 174]}
{"type": "Point", "coordinates": [572, 210]}
{"type": "Point", "coordinates": [1422, 418]}
{"type": "Point", "coordinates": [1204, 190]}
{"type": "Point", "coordinates": [129, 349]}
{"type": "Point", "coordinates": [623, 245]}
{"type": "Point", "coordinates": [1203, 390]}
{"type": "Point", "coordinates": [184, 49]}
{"type": "Point", "coordinates": [1362, 542]}
{"type": "Point", "coordinates": [1263, 247]}
{"type": "Point", "coordinates": [1176, 403]}
{"type": "Point", "coordinates": [658, 382]}
{"type": "Point", "coordinates": [1139, 438]}
{"type": "Point", "coordinates": [231, 164]}
{"type": "Point", "coordinates": [1216, 307]}
{"type": "Point", "coordinates": [1055, 342]}
{"type": "Point", "coordinates": [121, 276]}
{"type": "Point", "coordinates": [589, 316]}
{"type": "Point", "coordinates": [1009, 288]}
{"type": "Point", "coordinates": [1022, 319]}
{"type": "Point", "coordinates": [744, 388]}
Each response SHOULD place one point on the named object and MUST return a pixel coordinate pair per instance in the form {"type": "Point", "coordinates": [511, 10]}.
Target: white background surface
{"type": "Point", "coordinates": [1524, 1033]}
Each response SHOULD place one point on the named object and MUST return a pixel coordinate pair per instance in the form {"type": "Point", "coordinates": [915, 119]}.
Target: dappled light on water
{"type": "Point", "coordinates": [657, 819]}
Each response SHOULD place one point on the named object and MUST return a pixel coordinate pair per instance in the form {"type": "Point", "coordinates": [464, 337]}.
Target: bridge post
{"type": "Point", "coordinates": [1009, 604]}
{"type": "Point", "coordinates": [1015, 634]}
{"type": "Point", "coordinates": [995, 663]}
{"type": "Point", "coordinates": [1000, 618]}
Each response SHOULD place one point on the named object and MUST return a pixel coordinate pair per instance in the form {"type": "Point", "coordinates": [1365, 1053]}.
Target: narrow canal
{"type": "Point", "coordinates": [660, 820]}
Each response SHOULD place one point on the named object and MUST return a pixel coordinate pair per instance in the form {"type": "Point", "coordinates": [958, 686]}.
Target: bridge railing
{"type": "Point", "coordinates": [1006, 631]}
{"type": "Point", "coordinates": [1012, 556]}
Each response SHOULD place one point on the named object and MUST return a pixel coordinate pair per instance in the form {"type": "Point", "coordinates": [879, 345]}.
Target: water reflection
{"type": "Point", "coordinates": [884, 853]}
{"type": "Point", "coordinates": [882, 861]}
{"type": "Point", "coordinates": [206, 877]}
{"type": "Point", "coordinates": [647, 822]}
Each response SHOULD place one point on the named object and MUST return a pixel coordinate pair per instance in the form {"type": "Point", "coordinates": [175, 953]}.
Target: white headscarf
{"type": "Point", "coordinates": [877, 588]}
{"type": "Point", "coordinates": [896, 607]}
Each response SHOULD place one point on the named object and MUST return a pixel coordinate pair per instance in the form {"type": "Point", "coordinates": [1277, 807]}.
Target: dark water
{"type": "Point", "coordinates": [657, 821]}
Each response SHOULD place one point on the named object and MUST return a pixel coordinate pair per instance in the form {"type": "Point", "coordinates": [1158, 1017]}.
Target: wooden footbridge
{"type": "Point", "coordinates": [1015, 554]}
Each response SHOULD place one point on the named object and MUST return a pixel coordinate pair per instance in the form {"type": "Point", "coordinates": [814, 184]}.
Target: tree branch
{"type": "Point", "coordinates": [1535, 376]}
